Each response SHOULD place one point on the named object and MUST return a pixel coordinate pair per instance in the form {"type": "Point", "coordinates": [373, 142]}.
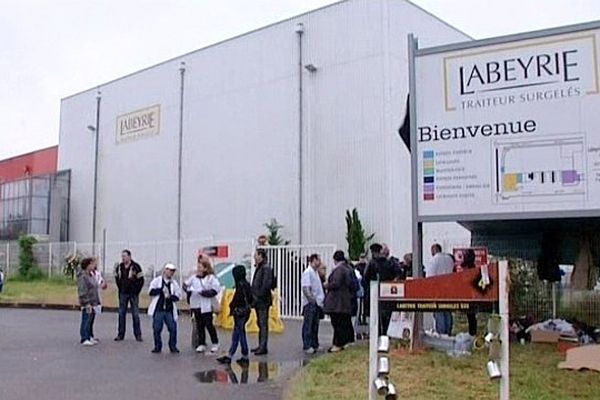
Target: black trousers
{"type": "Point", "coordinates": [92, 320]}
{"type": "Point", "coordinates": [472, 318]}
{"type": "Point", "coordinates": [205, 321]}
{"type": "Point", "coordinates": [262, 317]}
{"type": "Point", "coordinates": [385, 317]}
{"type": "Point", "coordinates": [343, 332]}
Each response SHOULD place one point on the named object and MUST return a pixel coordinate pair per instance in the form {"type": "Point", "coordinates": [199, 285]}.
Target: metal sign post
{"type": "Point", "coordinates": [452, 292]}
{"type": "Point", "coordinates": [373, 336]}
{"type": "Point", "coordinates": [504, 330]}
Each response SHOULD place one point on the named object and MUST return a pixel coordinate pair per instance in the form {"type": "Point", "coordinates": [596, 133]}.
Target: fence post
{"type": "Point", "coordinates": [74, 248]}
{"type": "Point", "coordinates": [49, 260]}
{"type": "Point", "coordinates": [155, 259]}
{"type": "Point", "coordinates": [103, 251]}
{"type": "Point", "coordinates": [7, 259]}
{"type": "Point", "coordinates": [553, 300]}
{"type": "Point", "coordinates": [180, 258]}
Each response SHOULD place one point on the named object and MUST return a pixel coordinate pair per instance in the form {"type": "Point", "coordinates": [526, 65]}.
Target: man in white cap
{"type": "Point", "coordinates": [165, 292]}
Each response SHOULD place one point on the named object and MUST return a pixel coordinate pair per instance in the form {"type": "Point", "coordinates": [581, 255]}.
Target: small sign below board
{"type": "Point", "coordinates": [391, 290]}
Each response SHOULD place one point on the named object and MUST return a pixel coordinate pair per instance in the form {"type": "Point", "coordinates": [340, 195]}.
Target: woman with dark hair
{"type": "Point", "coordinates": [341, 290]}
{"type": "Point", "coordinates": [468, 262]}
{"type": "Point", "coordinates": [239, 309]}
{"type": "Point", "coordinates": [87, 289]}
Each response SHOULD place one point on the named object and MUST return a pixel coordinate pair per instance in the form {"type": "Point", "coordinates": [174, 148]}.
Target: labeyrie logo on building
{"type": "Point", "coordinates": [139, 123]}
{"type": "Point", "coordinates": [533, 70]}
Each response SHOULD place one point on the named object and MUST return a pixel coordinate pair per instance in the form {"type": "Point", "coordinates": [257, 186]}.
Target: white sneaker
{"type": "Point", "coordinates": [335, 349]}
{"type": "Point", "coordinates": [88, 343]}
{"type": "Point", "coordinates": [94, 340]}
{"type": "Point", "coordinates": [310, 350]}
{"type": "Point", "coordinates": [214, 349]}
{"type": "Point", "coordinates": [200, 349]}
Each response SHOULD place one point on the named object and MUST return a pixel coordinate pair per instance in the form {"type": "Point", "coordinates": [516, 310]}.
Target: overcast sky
{"type": "Point", "coordinates": [53, 48]}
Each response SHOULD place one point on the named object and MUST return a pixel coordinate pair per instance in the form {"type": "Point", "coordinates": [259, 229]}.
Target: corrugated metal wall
{"type": "Point", "coordinates": [240, 161]}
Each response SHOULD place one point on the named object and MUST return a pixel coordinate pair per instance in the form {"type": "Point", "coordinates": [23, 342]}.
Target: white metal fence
{"type": "Point", "coordinates": [288, 263]}
{"type": "Point", "coordinates": [51, 257]}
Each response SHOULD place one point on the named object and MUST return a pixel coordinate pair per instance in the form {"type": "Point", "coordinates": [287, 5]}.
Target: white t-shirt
{"type": "Point", "coordinates": [312, 280]}
{"type": "Point", "coordinates": [100, 281]}
{"type": "Point", "coordinates": [197, 285]}
{"type": "Point", "coordinates": [441, 264]}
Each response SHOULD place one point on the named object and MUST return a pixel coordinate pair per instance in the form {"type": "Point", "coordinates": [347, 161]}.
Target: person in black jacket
{"type": "Point", "coordinates": [469, 263]}
{"type": "Point", "coordinates": [239, 309]}
{"type": "Point", "coordinates": [130, 280]}
{"type": "Point", "coordinates": [341, 289]}
{"type": "Point", "coordinates": [262, 284]}
{"type": "Point", "coordinates": [379, 268]}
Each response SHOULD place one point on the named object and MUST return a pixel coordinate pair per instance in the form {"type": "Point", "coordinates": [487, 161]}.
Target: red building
{"type": "Point", "coordinates": [34, 196]}
{"type": "Point", "coordinates": [40, 162]}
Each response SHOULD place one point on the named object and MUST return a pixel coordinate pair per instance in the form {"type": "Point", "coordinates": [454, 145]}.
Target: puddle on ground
{"type": "Point", "coordinates": [256, 372]}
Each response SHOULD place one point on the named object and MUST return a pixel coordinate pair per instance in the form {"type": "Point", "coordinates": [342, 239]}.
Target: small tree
{"type": "Point", "coordinates": [356, 236]}
{"type": "Point", "coordinates": [28, 268]}
{"type": "Point", "coordinates": [274, 238]}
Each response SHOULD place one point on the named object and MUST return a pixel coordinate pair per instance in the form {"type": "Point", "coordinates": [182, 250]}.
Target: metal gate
{"type": "Point", "coordinates": [288, 263]}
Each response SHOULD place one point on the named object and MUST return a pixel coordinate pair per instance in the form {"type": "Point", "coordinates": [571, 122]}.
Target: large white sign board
{"type": "Point", "coordinates": [510, 127]}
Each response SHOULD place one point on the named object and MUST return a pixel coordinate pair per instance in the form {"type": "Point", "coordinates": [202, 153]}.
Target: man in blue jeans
{"type": "Point", "coordinates": [262, 284]}
{"type": "Point", "coordinates": [130, 280]}
{"type": "Point", "coordinates": [441, 264]}
{"type": "Point", "coordinates": [312, 303]}
{"type": "Point", "coordinates": [165, 292]}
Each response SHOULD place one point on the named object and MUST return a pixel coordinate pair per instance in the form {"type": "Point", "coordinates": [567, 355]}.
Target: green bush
{"type": "Point", "coordinates": [274, 237]}
{"type": "Point", "coordinates": [28, 269]}
{"type": "Point", "coordinates": [528, 295]}
{"type": "Point", "coordinates": [356, 236]}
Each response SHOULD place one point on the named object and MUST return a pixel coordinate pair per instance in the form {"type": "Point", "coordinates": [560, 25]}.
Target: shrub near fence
{"type": "Point", "coordinates": [542, 300]}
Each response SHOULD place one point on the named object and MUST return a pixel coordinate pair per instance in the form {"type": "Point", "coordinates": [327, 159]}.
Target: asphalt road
{"type": "Point", "coordinates": [41, 359]}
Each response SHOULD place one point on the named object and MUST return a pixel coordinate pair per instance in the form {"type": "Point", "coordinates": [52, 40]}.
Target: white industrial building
{"type": "Point", "coordinates": [268, 131]}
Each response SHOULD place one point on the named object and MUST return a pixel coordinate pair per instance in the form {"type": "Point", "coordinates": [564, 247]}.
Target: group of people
{"type": "Point", "coordinates": [336, 296]}
{"type": "Point", "coordinates": [130, 281]}
{"type": "Point", "coordinates": [202, 291]}
{"type": "Point", "coordinates": [344, 294]}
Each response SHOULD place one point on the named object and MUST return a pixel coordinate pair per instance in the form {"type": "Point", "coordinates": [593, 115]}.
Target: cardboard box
{"type": "Point", "coordinates": [585, 357]}
{"type": "Point", "coordinates": [540, 336]}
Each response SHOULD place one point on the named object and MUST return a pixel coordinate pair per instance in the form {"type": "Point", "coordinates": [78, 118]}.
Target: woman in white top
{"type": "Point", "coordinates": [204, 288]}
